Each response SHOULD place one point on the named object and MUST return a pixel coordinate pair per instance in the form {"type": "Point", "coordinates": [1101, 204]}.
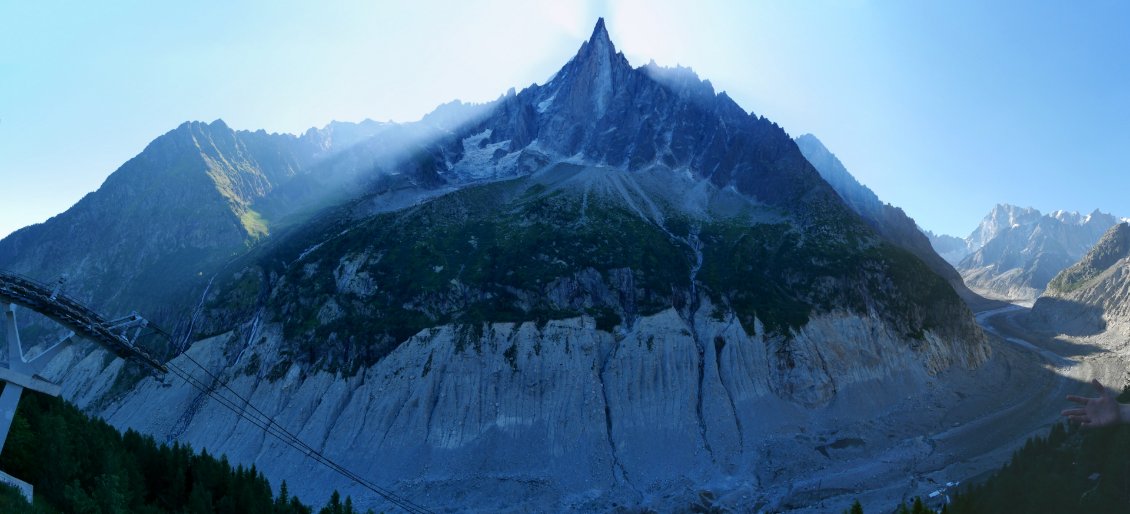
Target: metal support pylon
{"type": "Point", "coordinates": [21, 373]}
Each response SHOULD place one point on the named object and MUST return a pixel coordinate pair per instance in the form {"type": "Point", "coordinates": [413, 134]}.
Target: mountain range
{"type": "Point", "coordinates": [596, 292]}
{"type": "Point", "coordinates": [1016, 251]}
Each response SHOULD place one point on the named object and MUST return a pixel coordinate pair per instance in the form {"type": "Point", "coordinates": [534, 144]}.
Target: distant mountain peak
{"type": "Point", "coordinates": [811, 138]}
{"type": "Point", "coordinates": [1016, 251]}
{"type": "Point", "coordinates": [683, 81]}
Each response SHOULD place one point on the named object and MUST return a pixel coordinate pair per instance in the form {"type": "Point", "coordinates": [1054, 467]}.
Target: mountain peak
{"type": "Point", "coordinates": [812, 142]}
{"type": "Point", "coordinates": [600, 33]}
{"type": "Point", "coordinates": [599, 45]}
{"type": "Point", "coordinates": [809, 135]}
{"type": "Point", "coordinates": [596, 70]}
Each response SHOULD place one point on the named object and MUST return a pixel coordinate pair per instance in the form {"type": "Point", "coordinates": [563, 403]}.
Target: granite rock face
{"type": "Point", "coordinates": [571, 416]}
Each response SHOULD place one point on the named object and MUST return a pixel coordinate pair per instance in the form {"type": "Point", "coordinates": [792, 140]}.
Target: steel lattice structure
{"type": "Point", "coordinates": [49, 302]}
{"type": "Point", "coordinates": [21, 372]}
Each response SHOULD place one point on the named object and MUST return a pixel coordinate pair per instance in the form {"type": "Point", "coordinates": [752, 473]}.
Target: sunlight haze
{"type": "Point", "coordinates": [943, 109]}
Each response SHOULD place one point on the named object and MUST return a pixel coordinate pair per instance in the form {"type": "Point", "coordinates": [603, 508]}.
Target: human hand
{"type": "Point", "coordinates": [1096, 412]}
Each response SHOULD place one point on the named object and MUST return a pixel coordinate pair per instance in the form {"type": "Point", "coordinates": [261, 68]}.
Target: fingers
{"type": "Point", "coordinates": [1077, 416]}
{"type": "Point", "coordinates": [1079, 399]}
{"type": "Point", "coordinates": [1080, 421]}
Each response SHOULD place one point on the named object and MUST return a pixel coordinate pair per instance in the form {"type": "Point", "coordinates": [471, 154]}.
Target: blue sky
{"type": "Point", "coordinates": [942, 108]}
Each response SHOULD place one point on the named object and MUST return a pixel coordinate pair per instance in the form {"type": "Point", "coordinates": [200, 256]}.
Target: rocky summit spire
{"type": "Point", "coordinates": [599, 32]}
{"type": "Point", "coordinates": [597, 67]}
{"type": "Point", "coordinates": [599, 44]}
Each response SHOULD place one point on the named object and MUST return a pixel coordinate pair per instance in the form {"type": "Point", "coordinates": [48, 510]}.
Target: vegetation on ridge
{"type": "Point", "coordinates": [347, 292]}
{"type": "Point", "coordinates": [1114, 246]}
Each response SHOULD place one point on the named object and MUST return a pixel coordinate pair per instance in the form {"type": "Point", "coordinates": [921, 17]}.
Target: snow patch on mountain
{"type": "Point", "coordinates": [545, 104]}
{"type": "Point", "coordinates": [483, 160]}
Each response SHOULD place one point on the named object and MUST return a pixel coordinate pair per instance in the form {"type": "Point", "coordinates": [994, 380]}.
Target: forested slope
{"type": "Point", "coordinates": [80, 464]}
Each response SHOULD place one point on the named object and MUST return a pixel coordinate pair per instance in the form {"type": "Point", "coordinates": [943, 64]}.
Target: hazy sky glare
{"type": "Point", "coordinates": [942, 108]}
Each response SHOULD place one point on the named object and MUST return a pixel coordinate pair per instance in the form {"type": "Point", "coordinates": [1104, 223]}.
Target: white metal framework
{"type": "Point", "coordinates": [22, 372]}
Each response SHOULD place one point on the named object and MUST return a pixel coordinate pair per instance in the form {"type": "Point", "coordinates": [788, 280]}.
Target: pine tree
{"type": "Point", "coordinates": [84, 465]}
{"type": "Point", "coordinates": [334, 506]}
{"type": "Point", "coordinates": [77, 501]}
{"type": "Point", "coordinates": [109, 496]}
{"type": "Point", "coordinates": [281, 505]}
{"type": "Point", "coordinates": [297, 507]}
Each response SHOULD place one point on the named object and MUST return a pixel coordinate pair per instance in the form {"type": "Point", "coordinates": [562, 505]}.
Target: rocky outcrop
{"type": "Point", "coordinates": [1112, 248]}
{"type": "Point", "coordinates": [1090, 298]}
